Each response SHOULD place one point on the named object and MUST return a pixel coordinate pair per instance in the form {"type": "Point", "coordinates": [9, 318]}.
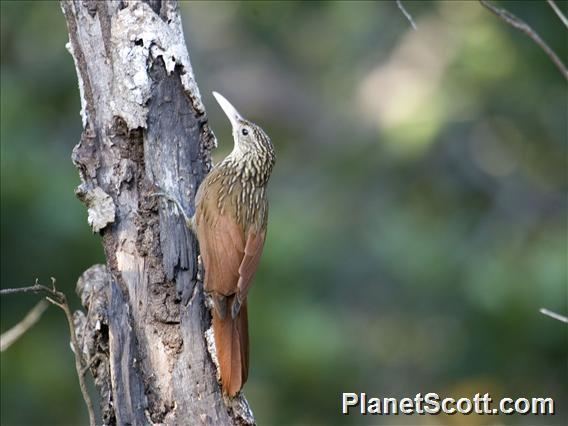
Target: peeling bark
{"type": "Point", "coordinates": [144, 130]}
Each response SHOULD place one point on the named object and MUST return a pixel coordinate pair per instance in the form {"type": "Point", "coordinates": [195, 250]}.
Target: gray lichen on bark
{"type": "Point", "coordinates": [144, 129]}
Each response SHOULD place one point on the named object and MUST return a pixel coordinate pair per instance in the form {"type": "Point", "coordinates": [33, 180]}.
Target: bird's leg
{"type": "Point", "coordinates": [188, 220]}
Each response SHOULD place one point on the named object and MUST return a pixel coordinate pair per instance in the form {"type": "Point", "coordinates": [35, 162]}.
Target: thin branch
{"type": "Point", "coordinates": [10, 336]}
{"type": "Point", "coordinates": [517, 23]}
{"type": "Point", "coordinates": [406, 14]}
{"type": "Point", "coordinates": [558, 12]}
{"type": "Point", "coordinates": [37, 288]}
{"type": "Point", "coordinates": [554, 315]}
{"type": "Point", "coordinates": [59, 299]}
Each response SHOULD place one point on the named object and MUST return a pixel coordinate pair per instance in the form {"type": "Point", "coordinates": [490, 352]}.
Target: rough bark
{"type": "Point", "coordinates": [144, 130]}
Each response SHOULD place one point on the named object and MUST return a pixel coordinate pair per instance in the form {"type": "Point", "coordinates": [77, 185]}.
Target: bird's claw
{"type": "Point", "coordinates": [179, 207]}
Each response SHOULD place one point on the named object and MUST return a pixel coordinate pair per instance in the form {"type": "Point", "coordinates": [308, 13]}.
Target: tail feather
{"type": "Point", "coordinates": [232, 345]}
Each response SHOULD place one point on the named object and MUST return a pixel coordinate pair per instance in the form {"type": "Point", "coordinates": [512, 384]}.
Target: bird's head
{"type": "Point", "coordinates": [249, 138]}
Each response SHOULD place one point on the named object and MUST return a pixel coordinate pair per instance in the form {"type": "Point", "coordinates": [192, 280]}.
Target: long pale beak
{"type": "Point", "coordinates": [229, 110]}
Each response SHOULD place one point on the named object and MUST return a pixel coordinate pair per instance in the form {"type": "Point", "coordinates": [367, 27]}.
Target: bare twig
{"type": "Point", "coordinates": [13, 334]}
{"type": "Point", "coordinates": [406, 14]}
{"type": "Point", "coordinates": [554, 315]}
{"type": "Point", "coordinates": [517, 23]}
{"type": "Point", "coordinates": [558, 12]}
{"type": "Point", "coordinates": [37, 288]}
{"type": "Point", "coordinates": [59, 299]}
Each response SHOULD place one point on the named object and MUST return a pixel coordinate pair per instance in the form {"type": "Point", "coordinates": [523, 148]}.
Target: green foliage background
{"type": "Point", "coordinates": [418, 207]}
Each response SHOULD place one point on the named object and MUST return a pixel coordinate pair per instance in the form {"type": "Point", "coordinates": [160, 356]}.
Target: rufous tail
{"type": "Point", "coordinates": [232, 346]}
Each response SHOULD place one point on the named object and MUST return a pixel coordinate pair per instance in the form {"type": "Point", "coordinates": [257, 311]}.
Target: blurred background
{"type": "Point", "coordinates": [418, 206]}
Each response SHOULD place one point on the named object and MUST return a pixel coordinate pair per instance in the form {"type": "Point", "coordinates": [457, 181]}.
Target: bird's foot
{"type": "Point", "coordinates": [217, 302]}
{"type": "Point", "coordinates": [167, 197]}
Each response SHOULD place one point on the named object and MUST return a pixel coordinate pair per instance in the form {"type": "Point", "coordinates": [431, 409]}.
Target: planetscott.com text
{"type": "Point", "coordinates": [432, 404]}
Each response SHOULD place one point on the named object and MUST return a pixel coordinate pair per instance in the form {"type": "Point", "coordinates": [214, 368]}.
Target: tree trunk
{"type": "Point", "coordinates": [145, 333]}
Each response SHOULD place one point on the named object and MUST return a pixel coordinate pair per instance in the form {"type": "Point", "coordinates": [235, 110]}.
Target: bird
{"type": "Point", "coordinates": [230, 223]}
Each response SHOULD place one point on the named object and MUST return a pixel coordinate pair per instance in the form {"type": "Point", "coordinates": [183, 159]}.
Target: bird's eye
{"type": "Point", "coordinates": [245, 131]}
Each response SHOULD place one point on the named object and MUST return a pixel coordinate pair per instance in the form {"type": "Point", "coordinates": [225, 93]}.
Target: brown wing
{"type": "Point", "coordinates": [222, 246]}
{"type": "Point", "coordinates": [230, 258]}
{"type": "Point", "coordinates": [250, 261]}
